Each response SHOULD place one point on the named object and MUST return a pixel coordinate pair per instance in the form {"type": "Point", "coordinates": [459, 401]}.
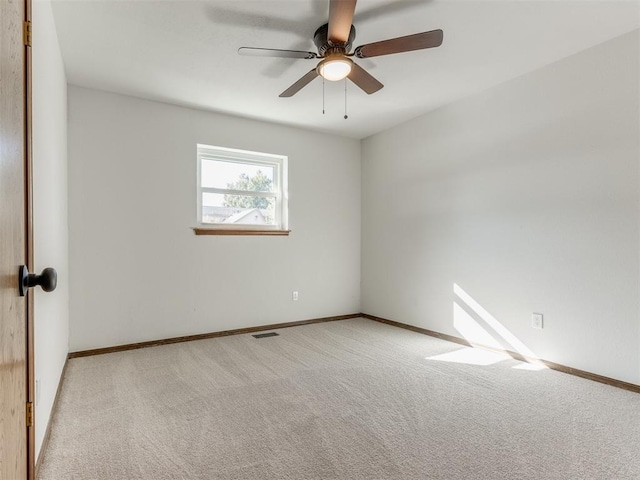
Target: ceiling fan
{"type": "Point", "coordinates": [334, 41]}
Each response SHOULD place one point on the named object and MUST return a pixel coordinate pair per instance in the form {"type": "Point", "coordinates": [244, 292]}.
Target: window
{"type": "Point", "coordinates": [241, 192]}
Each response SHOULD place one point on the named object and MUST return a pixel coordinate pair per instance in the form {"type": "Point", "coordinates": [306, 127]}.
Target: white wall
{"type": "Point", "coordinates": [139, 273]}
{"type": "Point", "coordinates": [49, 210]}
{"type": "Point", "coordinates": [526, 197]}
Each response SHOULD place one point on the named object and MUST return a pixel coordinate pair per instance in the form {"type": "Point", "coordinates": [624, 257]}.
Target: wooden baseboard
{"type": "Point", "coordinates": [203, 336]}
{"type": "Point", "coordinates": [632, 387]}
{"type": "Point", "coordinates": [47, 432]}
{"type": "Point", "coordinates": [443, 336]}
{"type": "Point", "coordinates": [424, 331]}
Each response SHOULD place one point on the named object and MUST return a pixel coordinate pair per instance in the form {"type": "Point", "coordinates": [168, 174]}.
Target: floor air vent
{"type": "Point", "coordinates": [265, 335]}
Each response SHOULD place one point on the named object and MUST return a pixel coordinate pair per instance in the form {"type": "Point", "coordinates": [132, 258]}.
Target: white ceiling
{"type": "Point", "coordinates": [185, 52]}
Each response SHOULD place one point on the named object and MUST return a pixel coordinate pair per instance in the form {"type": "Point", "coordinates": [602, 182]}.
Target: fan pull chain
{"type": "Point", "coordinates": [345, 98]}
{"type": "Point", "coordinates": [323, 95]}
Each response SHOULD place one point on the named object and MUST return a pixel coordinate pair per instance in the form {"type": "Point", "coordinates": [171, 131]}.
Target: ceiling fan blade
{"type": "Point", "coordinates": [274, 52]}
{"type": "Point", "coordinates": [364, 80]}
{"type": "Point", "coordinates": [340, 20]}
{"type": "Point", "coordinates": [300, 84]}
{"type": "Point", "coordinates": [417, 41]}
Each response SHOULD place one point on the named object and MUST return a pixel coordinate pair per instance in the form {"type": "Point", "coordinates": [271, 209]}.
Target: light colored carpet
{"type": "Point", "coordinates": [353, 399]}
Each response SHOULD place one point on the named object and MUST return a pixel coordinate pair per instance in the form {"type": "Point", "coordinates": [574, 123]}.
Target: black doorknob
{"type": "Point", "coordinates": [48, 280]}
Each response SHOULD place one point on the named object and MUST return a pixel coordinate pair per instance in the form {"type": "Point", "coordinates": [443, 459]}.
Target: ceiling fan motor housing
{"type": "Point", "coordinates": [325, 46]}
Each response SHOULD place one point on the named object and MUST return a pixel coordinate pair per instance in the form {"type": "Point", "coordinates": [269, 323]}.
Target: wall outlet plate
{"type": "Point", "coordinates": [294, 296]}
{"type": "Point", "coordinates": [536, 321]}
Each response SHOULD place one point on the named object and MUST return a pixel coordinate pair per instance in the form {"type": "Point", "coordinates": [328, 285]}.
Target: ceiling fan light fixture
{"type": "Point", "coordinates": [334, 69]}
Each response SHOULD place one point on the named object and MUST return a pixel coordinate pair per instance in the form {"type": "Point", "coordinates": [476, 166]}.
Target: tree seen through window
{"type": "Point", "coordinates": [255, 183]}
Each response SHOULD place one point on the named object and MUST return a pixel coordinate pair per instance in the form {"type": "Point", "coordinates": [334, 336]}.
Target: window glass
{"type": "Point", "coordinates": [236, 176]}
{"type": "Point", "coordinates": [241, 189]}
{"type": "Point", "coordinates": [238, 209]}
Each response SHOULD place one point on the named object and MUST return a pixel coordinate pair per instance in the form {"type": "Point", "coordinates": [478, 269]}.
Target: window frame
{"type": "Point", "coordinates": [280, 183]}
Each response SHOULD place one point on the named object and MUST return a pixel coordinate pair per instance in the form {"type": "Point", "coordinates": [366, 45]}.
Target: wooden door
{"type": "Point", "coordinates": [16, 444]}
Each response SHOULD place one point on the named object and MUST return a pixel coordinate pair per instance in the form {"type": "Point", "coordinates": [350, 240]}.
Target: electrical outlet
{"type": "Point", "coordinates": [536, 321]}
{"type": "Point", "coordinates": [294, 296]}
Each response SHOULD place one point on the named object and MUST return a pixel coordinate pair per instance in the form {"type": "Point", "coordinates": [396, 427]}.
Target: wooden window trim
{"type": "Point", "coordinates": [228, 231]}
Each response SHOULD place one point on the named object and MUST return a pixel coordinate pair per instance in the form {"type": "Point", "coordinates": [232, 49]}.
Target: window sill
{"type": "Point", "coordinates": [228, 231]}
